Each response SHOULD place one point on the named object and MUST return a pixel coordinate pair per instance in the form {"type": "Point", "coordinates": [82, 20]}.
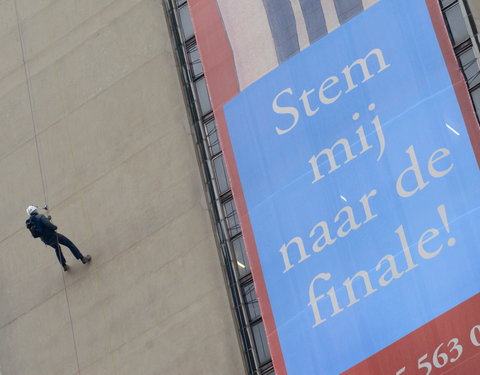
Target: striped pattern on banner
{"type": "Point", "coordinates": [263, 34]}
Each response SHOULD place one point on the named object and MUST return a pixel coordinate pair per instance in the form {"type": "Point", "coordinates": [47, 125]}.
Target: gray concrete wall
{"type": "Point", "coordinates": [97, 79]}
{"type": "Point", "coordinates": [475, 8]}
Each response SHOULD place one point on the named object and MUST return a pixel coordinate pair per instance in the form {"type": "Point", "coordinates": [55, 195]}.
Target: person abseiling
{"type": "Point", "coordinates": [40, 226]}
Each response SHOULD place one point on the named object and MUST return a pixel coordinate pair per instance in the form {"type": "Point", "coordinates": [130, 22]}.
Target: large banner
{"type": "Point", "coordinates": [363, 195]}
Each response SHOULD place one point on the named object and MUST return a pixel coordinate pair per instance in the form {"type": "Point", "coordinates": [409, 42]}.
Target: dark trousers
{"type": "Point", "coordinates": [62, 240]}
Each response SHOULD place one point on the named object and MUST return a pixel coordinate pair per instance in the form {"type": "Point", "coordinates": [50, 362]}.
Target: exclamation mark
{"type": "Point", "coordinates": [443, 215]}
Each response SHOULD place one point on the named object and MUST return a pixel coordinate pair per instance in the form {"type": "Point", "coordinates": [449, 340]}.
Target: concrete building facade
{"type": "Point", "coordinates": [94, 124]}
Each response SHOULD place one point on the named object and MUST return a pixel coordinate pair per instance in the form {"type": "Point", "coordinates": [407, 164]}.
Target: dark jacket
{"type": "Point", "coordinates": [49, 235]}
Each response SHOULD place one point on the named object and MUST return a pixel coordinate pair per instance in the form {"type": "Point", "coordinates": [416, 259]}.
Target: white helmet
{"type": "Point", "coordinates": [31, 209]}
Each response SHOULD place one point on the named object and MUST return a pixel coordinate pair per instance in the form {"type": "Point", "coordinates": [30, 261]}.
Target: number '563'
{"type": "Point", "coordinates": [440, 357]}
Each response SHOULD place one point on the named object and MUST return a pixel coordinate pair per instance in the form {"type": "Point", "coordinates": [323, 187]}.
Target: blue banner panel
{"type": "Point", "coordinates": [361, 188]}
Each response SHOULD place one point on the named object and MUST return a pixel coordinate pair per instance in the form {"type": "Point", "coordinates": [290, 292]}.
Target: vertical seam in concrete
{"type": "Point", "coordinates": [71, 324]}
{"type": "Point", "coordinates": [30, 99]}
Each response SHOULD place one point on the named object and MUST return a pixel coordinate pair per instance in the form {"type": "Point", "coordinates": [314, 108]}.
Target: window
{"type": "Point", "coordinates": [261, 343]}
{"type": "Point", "coordinates": [469, 64]}
{"type": "Point", "coordinates": [221, 174]}
{"type": "Point", "coordinates": [212, 138]}
{"type": "Point", "coordinates": [196, 68]}
{"type": "Point", "coordinates": [233, 224]}
{"type": "Point", "coordinates": [456, 24]}
{"type": "Point", "coordinates": [446, 3]}
{"type": "Point", "coordinates": [476, 99]}
{"type": "Point", "coordinates": [464, 44]}
{"type": "Point", "coordinates": [252, 302]}
{"type": "Point", "coordinates": [241, 257]}
{"type": "Point", "coordinates": [186, 22]}
{"type": "Point", "coordinates": [203, 98]}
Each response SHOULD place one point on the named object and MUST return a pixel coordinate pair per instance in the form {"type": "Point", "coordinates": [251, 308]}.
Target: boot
{"type": "Point", "coordinates": [65, 267]}
{"type": "Point", "coordinates": [86, 259]}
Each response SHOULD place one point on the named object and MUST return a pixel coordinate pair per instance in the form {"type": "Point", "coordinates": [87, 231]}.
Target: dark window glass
{"type": "Point", "coordinates": [456, 24]}
{"type": "Point", "coordinates": [231, 216]}
{"type": "Point", "coordinates": [203, 98]}
{"type": "Point", "coordinates": [476, 100]}
{"type": "Point", "coordinates": [252, 302]}
{"type": "Point", "coordinates": [212, 137]}
{"type": "Point", "coordinates": [187, 27]}
{"type": "Point", "coordinates": [196, 67]}
{"type": "Point", "coordinates": [470, 67]}
{"type": "Point", "coordinates": [261, 344]}
{"type": "Point", "coordinates": [446, 3]}
{"type": "Point", "coordinates": [241, 256]}
{"type": "Point", "coordinates": [221, 174]}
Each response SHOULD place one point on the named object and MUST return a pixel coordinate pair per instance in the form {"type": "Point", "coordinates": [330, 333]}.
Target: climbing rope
{"type": "Point", "coordinates": [30, 98]}
{"type": "Point", "coordinates": [40, 164]}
